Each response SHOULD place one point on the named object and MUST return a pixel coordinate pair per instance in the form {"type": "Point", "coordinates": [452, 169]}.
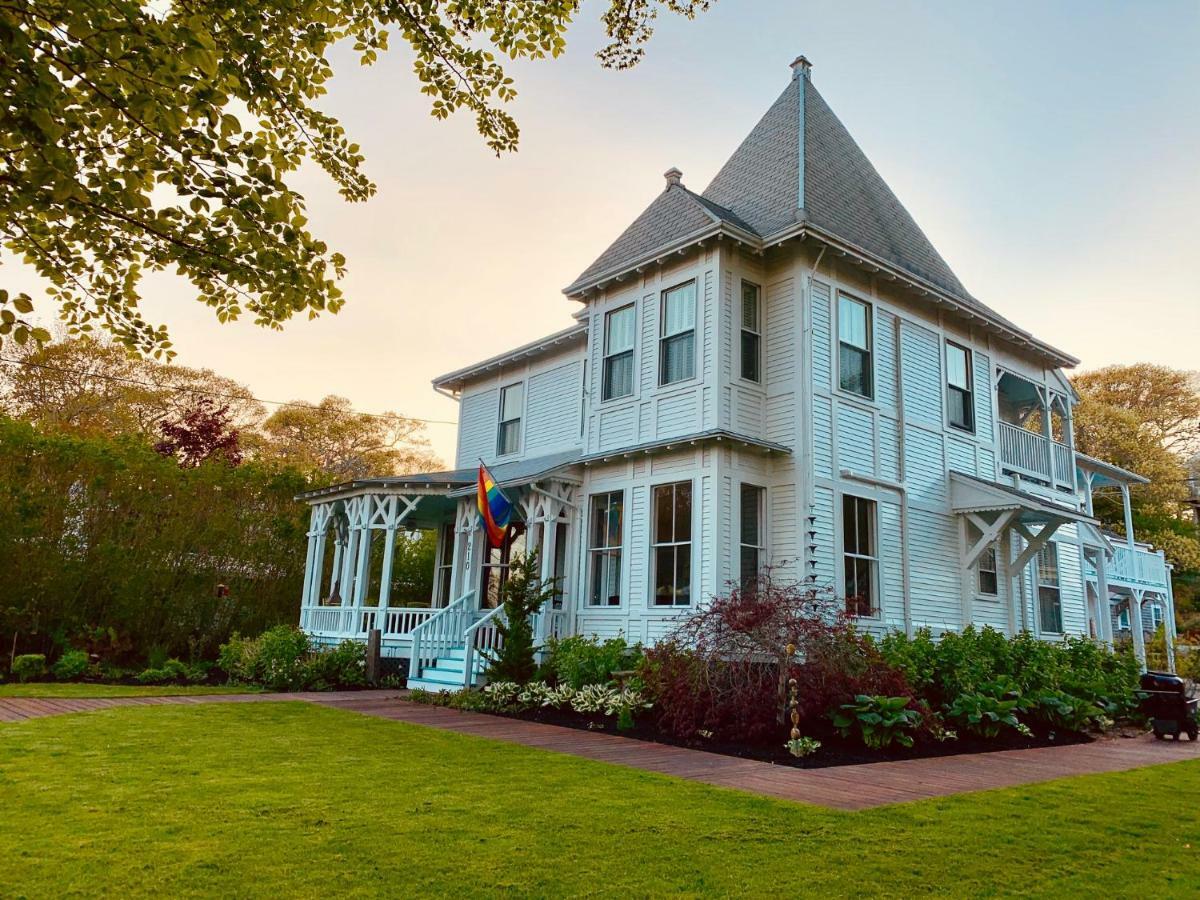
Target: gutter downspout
{"type": "Point", "coordinates": [902, 473]}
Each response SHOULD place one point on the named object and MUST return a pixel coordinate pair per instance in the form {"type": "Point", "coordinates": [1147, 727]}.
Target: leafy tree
{"type": "Point", "coordinates": [521, 596]}
{"type": "Point", "coordinates": [139, 137]}
{"type": "Point", "coordinates": [331, 440]}
{"type": "Point", "coordinates": [202, 434]}
{"type": "Point", "coordinates": [1166, 400]}
{"type": "Point", "coordinates": [92, 387]}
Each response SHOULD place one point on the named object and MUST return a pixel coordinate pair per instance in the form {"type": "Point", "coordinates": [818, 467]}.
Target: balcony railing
{"type": "Point", "coordinates": [1032, 455]}
{"type": "Point", "coordinates": [1137, 567]}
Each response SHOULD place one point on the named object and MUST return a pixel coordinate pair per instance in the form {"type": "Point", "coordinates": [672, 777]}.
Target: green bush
{"type": "Point", "coordinates": [29, 666]}
{"type": "Point", "coordinates": [71, 665]}
{"type": "Point", "coordinates": [579, 660]}
{"type": "Point", "coordinates": [342, 667]}
{"type": "Point", "coordinates": [280, 661]}
{"type": "Point", "coordinates": [984, 714]}
{"type": "Point", "coordinates": [174, 671]}
{"type": "Point", "coordinates": [283, 659]}
{"type": "Point", "coordinates": [521, 596]}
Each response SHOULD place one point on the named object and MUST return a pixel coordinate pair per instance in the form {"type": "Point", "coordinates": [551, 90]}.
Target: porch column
{"type": "Point", "coordinates": [1012, 551]}
{"type": "Point", "coordinates": [1135, 625]}
{"type": "Point", "coordinates": [1128, 514]}
{"type": "Point", "coordinates": [309, 575]}
{"type": "Point", "coordinates": [335, 578]}
{"type": "Point", "coordinates": [1169, 599]}
{"type": "Point", "coordinates": [389, 551]}
{"type": "Point", "coordinates": [1048, 432]}
{"type": "Point", "coordinates": [549, 538]}
{"type": "Point", "coordinates": [1088, 478]}
{"type": "Point", "coordinates": [1103, 606]}
{"type": "Point", "coordinates": [313, 597]}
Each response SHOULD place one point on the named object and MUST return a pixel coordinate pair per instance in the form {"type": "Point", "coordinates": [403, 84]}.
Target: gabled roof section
{"type": "Point", "coordinates": [675, 218]}
{"type": "Point", "coordinates": [453, 381]}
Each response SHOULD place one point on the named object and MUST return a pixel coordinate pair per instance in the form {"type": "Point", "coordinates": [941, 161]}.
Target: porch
{"type": "Point", "coordinates": [1034, 425]}
{"type": "Point", "coordinates": [358, 529]}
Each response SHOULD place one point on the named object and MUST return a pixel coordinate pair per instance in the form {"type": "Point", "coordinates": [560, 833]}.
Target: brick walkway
{"type": "Point", "coordinates": [843, 787]}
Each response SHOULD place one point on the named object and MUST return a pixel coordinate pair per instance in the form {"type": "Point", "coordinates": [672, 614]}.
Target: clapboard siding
{"type": "Point", "coordinates": [477, 427]}
{"type": "Point", "coordinates": [922, 366]}
{"type": "Point", "coordinates": [856, 439]}
{"type": "Point", "coordinates": [551, 419]}
{"type": "Point", "coordinates": [821, 338]}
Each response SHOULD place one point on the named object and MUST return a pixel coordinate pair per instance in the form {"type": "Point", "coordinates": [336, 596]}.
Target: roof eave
{"type": "Point", "coordinates": [454, 380]}
{"type": "Point", "coordinates": [718, 229]}
{"type": "Point", "coordinates": [925, 288]}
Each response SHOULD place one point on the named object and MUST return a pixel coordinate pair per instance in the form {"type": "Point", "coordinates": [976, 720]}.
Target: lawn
{"type": "Point", "coordinates": [73, 691]}
{"type": "Point", "coordinates": [292, 799]}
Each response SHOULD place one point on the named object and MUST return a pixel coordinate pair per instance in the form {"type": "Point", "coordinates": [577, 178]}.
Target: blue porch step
{"type": "Point", "coordinates": [446, 673]}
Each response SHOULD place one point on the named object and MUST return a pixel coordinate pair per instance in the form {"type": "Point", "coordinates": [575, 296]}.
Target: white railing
{"type": "Point", "coordinates": [482, 636]}
{"type": "Point", "coordinates": [441, 632]}
{"type": "Point", "coordinates": [1028, 453]}
{"type": "Point", "coordinates": [557, 623]}
{"type": "Point", "coordinates": [1147, 568]}
{"type": "Point", "coordinates": [402, 621]}
{"type": "Point", "coordinates": [355, 622]}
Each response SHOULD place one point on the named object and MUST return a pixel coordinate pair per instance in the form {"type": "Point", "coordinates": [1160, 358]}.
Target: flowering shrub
{"type": "Point", "coordinates": [591, 699]}
{"type": "Point", "coordinates": [283, 659]}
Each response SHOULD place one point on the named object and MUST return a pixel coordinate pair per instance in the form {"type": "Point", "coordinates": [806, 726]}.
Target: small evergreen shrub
{"type": "Point", "coordinates": [73, 664]}
{"type": "Point", "coordinates": [521, 596]}
{"type": "Point", "coordinates": [29, 666]}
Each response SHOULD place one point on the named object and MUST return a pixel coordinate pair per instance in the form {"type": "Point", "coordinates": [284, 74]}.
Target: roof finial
{"type": "Point", "coordinates": [673, 176]}
{"type": "Point", "coordinates": [801, 67]}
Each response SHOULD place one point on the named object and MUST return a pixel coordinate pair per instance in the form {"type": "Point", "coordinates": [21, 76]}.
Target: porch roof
{"type": "Point", "coordinates": [713, 434]}
{"type": "Point", "coordinates": [523, 471]}
{"type": "Point", "coordinates": [1107, 473]}
{"type": "Point", "coordinates": [969, 494]}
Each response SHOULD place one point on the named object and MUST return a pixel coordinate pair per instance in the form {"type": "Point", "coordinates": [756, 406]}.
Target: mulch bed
{"type": "Point", "coordinates": [834, 750]}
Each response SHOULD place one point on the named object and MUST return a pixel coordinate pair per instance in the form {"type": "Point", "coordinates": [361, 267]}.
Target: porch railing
{"type": "Point", "coordinates": [441, 632]}
{"type": "Point", "coordinates": [482, 636]}
{"type": "Point", "coordinates": [355, 622]}
{"type": "Point", "coordinates": [1145, 568]}
{"type": "Point", "coordinates": [1031, 454]}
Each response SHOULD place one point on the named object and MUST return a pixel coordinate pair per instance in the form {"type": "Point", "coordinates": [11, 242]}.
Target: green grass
{"type": "Point", "coordinates": [291, 799]}
{"type": "Point", "coordinates": [73, 690]}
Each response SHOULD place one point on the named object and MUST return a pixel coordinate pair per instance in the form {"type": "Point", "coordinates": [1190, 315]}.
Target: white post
{"type": "Point", "coordinates": [389, 550]}
{"type": "Point", "coordinates": [1103, 607]}
{"type": "Point", "coordinates": [1170, 621]}
{"type": "Point", "coordinates": [1088, 478]}
{"type": "Point", "coordinates": [335, 578]}
{"type": "Point", "coordinates": [548, 536]}
{"type": "Point", "coordinates": [309, 574]}
{"type": "Point", "coordinates": [1135, 625]}
{"type": "Point", "coordinates": [1128, 515]}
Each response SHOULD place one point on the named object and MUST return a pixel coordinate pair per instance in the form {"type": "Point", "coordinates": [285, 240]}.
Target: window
{"type": "Point", "coordinates": [511, 400]}
{"type": "Point", "coordinates": [672, 544]}
{"type": "Point", "coordinates": [560, 565]}
{"type": "Point", "coordinates": [619, 327]}
{"type": "Point", "coordinates": [496, 560]}
{"type": "Point", "coordinates": [1156, 617]}
{"type": "Point", "coordinates": [445, 566]}
{"type": "Point", "coordinates": [854, 347]}
{"type": "Point", "coordinates": [751, 333]}
{"type": "Point", "coordinates": [751, 536]}
{"type": "Point", "coordinates": [989, 581]}
{"type": "Point", "coordinates": [677, 334]}
{"type": "Point", "coordinates": [1049, 596]}
{"type": "Point", "coordinates": [960, 391]}
{"type": "Point", "coordinates": [604, 549]}
{"type": "Point", "coordinates": [860, 555]}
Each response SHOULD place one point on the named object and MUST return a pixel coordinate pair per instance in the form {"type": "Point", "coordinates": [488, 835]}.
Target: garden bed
{"type": "Point", "coordinates": [834, 751]}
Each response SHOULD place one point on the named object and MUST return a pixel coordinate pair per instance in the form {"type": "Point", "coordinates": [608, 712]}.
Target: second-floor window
{"type": "Point", "coordinates": [619, 328]}
{"type": "Point", "coordinates": [1049, 593]}
{"type": "Point", "coordinates": [677, 334]}
{"type": "Point", "coordinates": [854, 347]}
{"type": "Point", "coordinates": [960, 389]}
{"type": "Point", "coordinates": [672, 544]}
{"type": "Point", "coordinates": [860, 555]}
{"type": "Point", "coordinates": [508, 438]}
{"type": "Point", "coordinates": [605, 548]}
{"type": "Point", "coordinates": [751, 333]}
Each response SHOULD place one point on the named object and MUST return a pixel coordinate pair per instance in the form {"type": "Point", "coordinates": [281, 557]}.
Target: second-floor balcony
{"type": "Point", "coordinates": [1035, 432]}
{"type": "Point", "coordinates": [1137, 566]}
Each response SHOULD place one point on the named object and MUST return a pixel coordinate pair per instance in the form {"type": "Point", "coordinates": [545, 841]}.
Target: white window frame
{"type": "Point", "coordinates": [1051, 550]}
{"type": "Point", "coordinates": [607, 354]}
{"type": "Point", "coordinates": [969, 390]}
{"type": "Point", "coordinates": [757, 332]}
{"type": "Point", "coordinates": [992, 550]}
{"type": "Point", "coordinates": [655, 544]}
{"type": "Point", "coordinates": [501, 421]}
{"type": "Point", "coordinates": [872, 558]}
{"type": "Point", "coordinates": [760, 548]}
{"type": "Point", "coordinates": [443, 567]}
{"type": "Point", "coordinates": [869, 350]}
{"type": "Point", "coordinates": [597, 554]}
{"type": "Point", "coordinates": [664, 337]}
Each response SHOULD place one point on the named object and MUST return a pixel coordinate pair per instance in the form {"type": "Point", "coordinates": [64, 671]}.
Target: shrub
{"type": "Point", "coordinates": [29, 666]}
{"type": "Point", "coordinates": [521, 596]}
{"type": "Point", "coordinates": [280, 658]}
{"type": "Point", "coordinates": [879, 721]}
{"type": "Point", "coordinates": [173, 671]}
{"type": "Point", "coordinates": [577, 660]}
{"type": "Point", "coordinates": [342, 667]}
{"type": "Point", "coordinates": [237, 658]}
{"type": "Point", "coordinates": [71, 665]}
{"type": "Point", "coordinates": [987, 712]}
{"type": "Point", "coordinates": [840, 664]}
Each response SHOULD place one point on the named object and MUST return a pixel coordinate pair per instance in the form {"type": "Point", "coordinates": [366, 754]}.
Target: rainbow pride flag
{"type": "Point", "coordinates": [495, 510]}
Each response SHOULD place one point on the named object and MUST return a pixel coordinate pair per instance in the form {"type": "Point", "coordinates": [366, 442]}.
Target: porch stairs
{"type": "Point", "coordinates": [447, 672]}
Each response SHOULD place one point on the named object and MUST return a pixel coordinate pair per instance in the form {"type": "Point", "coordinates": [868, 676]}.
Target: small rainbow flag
{"type": "Point", "coordinates": [494, 508]}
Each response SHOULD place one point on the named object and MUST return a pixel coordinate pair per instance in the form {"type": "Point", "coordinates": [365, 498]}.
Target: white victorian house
{"type": "Point", "coordinates": [779, 370]}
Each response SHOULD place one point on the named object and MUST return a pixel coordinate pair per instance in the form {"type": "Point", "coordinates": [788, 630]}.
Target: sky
{"type": "Point", "coordinates": [1050, 150]}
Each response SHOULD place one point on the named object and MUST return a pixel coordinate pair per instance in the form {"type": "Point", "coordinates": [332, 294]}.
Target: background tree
{"type": "Point", "coordinates": [331, 440]}
{"type": "Point", "coordinates": [203, 433]}
{"type": "Point", "coordinates": [93, 387]}
{"type": "Point", "coordinates": [139, 137]}
{"type": "Point", "coordinates": [1165, 400]}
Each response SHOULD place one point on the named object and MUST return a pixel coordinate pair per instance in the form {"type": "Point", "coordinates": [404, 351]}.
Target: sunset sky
{"type": "Point", "coordinates": [1051, 151]}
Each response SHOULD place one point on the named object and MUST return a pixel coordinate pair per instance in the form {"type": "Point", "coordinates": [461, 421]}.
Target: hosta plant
{"type": "Point", "coordinates": [879, 721]}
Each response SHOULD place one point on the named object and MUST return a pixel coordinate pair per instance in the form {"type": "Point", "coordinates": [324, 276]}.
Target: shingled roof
{"type": "Point", "coordinates": [798, 169]}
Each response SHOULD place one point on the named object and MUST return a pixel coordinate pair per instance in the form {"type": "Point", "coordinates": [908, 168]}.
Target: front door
{"type": "Point", "coordinates": [493, 570]}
